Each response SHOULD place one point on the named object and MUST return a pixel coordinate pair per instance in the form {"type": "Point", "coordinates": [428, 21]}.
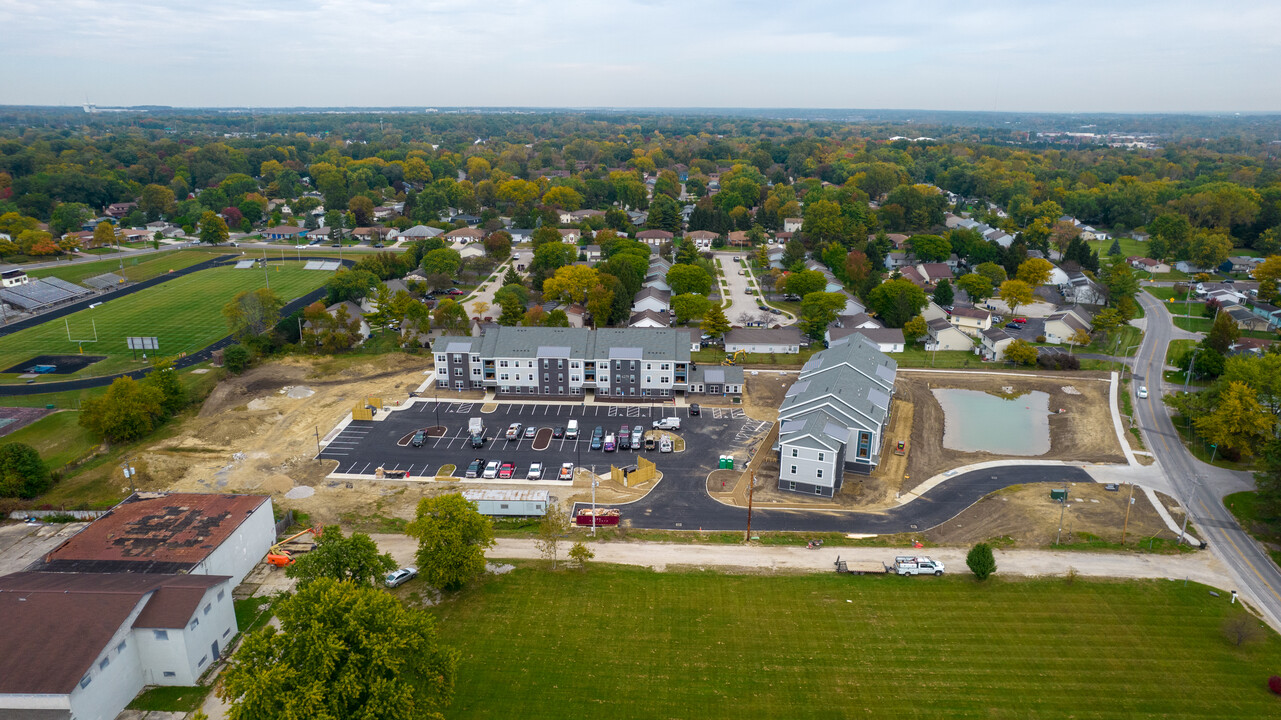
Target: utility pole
{"type": "Point", "coordinates": [129, 473]}
{"type": "Point", "coordinates": [1128, 505]}
{"type": "Point", "coordinates": [595, 482]}
{"type": "Point", "coordinates": [751, 488]}
{"type": "Point", "coordinates": [317, 441]}
{"type": "Point", "coordinates": [1062, 509]}
{"type": "Point", "coordinates": [1187, 379]}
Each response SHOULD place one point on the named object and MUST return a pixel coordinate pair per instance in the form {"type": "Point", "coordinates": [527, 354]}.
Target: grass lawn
{"type": "Point", "coordinates": [1244, 507]}
{"type": "Point", "coordinates": [171, 699]}
{"type": "Point", "coordinates": [1129, 246]}
{"type": "Point", "coordinates": [185, 314]}
{"type": "Point", "coordinates": [142, 267]}
{"type": "Point", "coordinates": [915, 356]}
{"type": "Point", "coordinates": [58, 438]}
{"type": "Point", "coordinates": [630, 643]}
{"type": "Point", "coordinates": [1165, 293]}
{"type": "Point", "coordinates": [1203, 325]}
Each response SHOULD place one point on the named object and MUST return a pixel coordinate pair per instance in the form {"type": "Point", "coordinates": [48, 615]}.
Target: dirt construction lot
{"type": "Point", "coordinates": [1083, 432]}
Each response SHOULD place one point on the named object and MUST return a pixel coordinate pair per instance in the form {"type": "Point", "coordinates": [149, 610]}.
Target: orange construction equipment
{"type": "Point", "coordinates": [279, 556]}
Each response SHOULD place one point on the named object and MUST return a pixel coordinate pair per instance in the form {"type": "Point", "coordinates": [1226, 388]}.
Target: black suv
{"type": "Point", "coordinates": [419, 438]}
{"type": "Point", "coordinates": [476, 467]}
{"type": "Point", "coordinates": [598, 436]}
{"type": "Point", "coordinates": [694, 410]}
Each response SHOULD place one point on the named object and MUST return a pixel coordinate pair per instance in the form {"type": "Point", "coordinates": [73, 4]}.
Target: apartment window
{"type": "Point", "coordinates": [795, 452]}
{"type": "Point", "coordinates": [664, 366]}
{"type": "Point", "coordinates": [633, 365]}
{"type": "Point", "coordinates": [502, 363]}
{"type": "Point", "coordinates": [84, 681]}
{"type": "Point", "coordinates": [560, 364]}
{"type": "Point", "coordinates": [818, 490]}
{"type": "Point", "coordinates": [502, 506]}
{"type": "Point", "coordinates": [574, 365]}
{"type": "Point", "coordinates": [221, 594]}
{"type": "Point", "coordinates": [208, 608]}
{"type": "Point", "coordinates": [160, 634]}
{"type": "Point", "coordinates": [546, 377]}
{"type": "Point", "coordinates": [203, 659]}
{"type": "Point", "coordinates": [664, 379]}
{"type": "Point", "coordinates": [575, 378]}
{"type": "Point", "coordinates": [458, 371]}
{"type": "Point", "coordinates": [818, 474]}
{"type": "Point", "coordinates": [226, 632]}
{"type": "Point", "coordinates": [793, 469]}
{"type": "Point", "coordinates": [440, 359]}
{"type": "Point", "coordinates": [475, 371]}
{"type": "Point", "coordinates": [194, 623]}
{"type": "Point", "coordinates": [791, 486]}
{"type": "Point", "coordinates": [560, 377]}
{"type": "Point", "coordinates": [820, 457]}
{"type": "Point", "coordinates": [633, 378]}
{"type": "Point", "coordinates": [170, 673]}
{"type": "Point", "coordinates": [649, 379]}
{"type": "Point", "coordinates": [102, 664]}
{"type": "Point", "coordinates": [503, 376]}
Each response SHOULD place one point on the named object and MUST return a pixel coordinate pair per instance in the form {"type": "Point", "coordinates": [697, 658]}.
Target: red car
{"type": "Point", "coordinates": [507, 470]}
{"type": "Point", "coordinates": [1020, 320]}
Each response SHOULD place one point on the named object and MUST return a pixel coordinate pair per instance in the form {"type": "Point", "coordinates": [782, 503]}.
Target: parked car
{"type": "Point", "coordinates": [400, 577]}
{"type": "Point", "coordinates": [535, 471]}
{"type": "Point", "coordinates": [558, 432]}
{"type": "Point", "coordinates": [667, 423]}
{"type": "Point", "coordinates": [906, 565]}
{"type": "Point", "coordinates": [1013, 326]}
{"type": "Point", "coordinates": [624, 438]}
{"type": "Point", "coordinates": [694, 410]}
{"type": "Point", "coordinates": [650, 443]}
{"type": "Point", "coordinates": [638, 437]}
{"type": "Point", "coordinates": [571, 430]}
{"type": "Point", "coordinates": [475, 468]}
{"type": "Point", "coordinates": [530, 432]}
{"type": "Point", "coordinates": [1020, 320]}
{"type": "Point", "coordinates": [566, 471]}
{"type": "Point", "coordinates": [420, 437]}
{"type": "Point", "coordinates": [507, 470]}
{"type": "Point", "coordinates": [1143, 391]}
{"type": "Point", "coordinates": [665, 445]}
{"type": "Point", "coordinates": [491, 470]}
{"type": "Point", "coordinates": [610, 444]}
{"type": "Point", "coordinates": [776, 311]}
{"type": "Point", "coordinates": [513, 431]}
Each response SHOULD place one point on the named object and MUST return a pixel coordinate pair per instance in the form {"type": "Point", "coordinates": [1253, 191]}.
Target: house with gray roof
{"type": "Point", "coordinates": [993, 343]}
{"type": "Point", "coordinates": [943, 335]}
{"type": "Point", "coordinates": [833, 417]}
{"type": "Point", "coordinates": [652, 298]}
{"type": "Point", "coordinates": [613, 363]}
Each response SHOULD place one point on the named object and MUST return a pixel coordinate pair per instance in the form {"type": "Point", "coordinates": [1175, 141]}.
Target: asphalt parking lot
{"type": "Point", "coordinates": [364, 446]}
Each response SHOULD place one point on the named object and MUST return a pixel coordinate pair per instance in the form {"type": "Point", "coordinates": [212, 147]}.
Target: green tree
{"type": "Point", "coordinates": [805, 282]}
{"type": "Point", "coordinates": [915, 329]}
{"type": "Point", "coordinates": [1268, 273]}
{"type": "Point", "coordinates": [253, 312]}
{"type": "Point", "coordinates": [1222, 333]}
{"type": "Point", "coordinates": [129, 410]}
{"type": "Point", "coordinates": [1119, 278]}
{"type": "Point", "coordinates": [715, 324]}
{"type": "Point", "coordinates": [450, 315]}
{"type": "Point", "coordinates": [600, 303]}
{"type": "Point", "coordinates": [69, 217]}
{"type": "Point", "coordinates": [157, 201]}
{"type": "Point", "coordinates": [235, 358]}
{"type": "Point", "coordinates": [943, 295]}
{"type": "Point", "coordinates": [511, 277]}
{"type": "Point", "coordinates": [1016, 293]}
{"type": "Point", "coordinates": [823, 222]}
{"type": "Point", "coordinates": [571, 283]}
{"type": "Point", "coordinates": [1035, 271]}
{"type": "Point", "coordinates": [977, 287]}
{"type": "Point", "coordinates": [690, 307]}
{"type": "Point", "coordinates": [442, 261]}
{"type": "Point", "coordinates": [350, 285]}
{"type": "Point", "coordinates": [1209, 249]}
{"type": "Point", "coordinates": [981, 561]}
{"type": "Point", "coordinates": [498, 246]}
{"type": "Point", "coordinates": [164, 378]}
{"type": "Point", "coordinates": [545, 235]}
{"type": "Point", "coordinates": [896, 301]}
{"type": "Point", "coordinates": [352, 559]}
{"type": "Point", "coordinates": [105, 234]}
{"type": "Point", "coordinates": [551, 530]}
{"type": "Point", "coordinates": [1268, 482]}
{"type": "Point", "coordinates": [513, 310]}
{"type": "Point", "coordinates": [1021, 352]}
{"type": "Point", "coordinates": [1238, 421]}
{"type": "Point", "coordinates": [993, 272]}
{"type": "Point", "coordinates": [343, 652]}
{"type": "Point", "coordinates": [684, 279]}
{"type": "Point", "coordinates": [22, 473]}
{"type": "Point", "coordinates": [580, 554]}
{"type": "Point", "coordinates": [930, 248]}
{"type": "Point", "coordinates": [1115, 248]}
{"type": "Point", "coordinates": [452, 539]}
{"type": "Point", "coordinates": [563, 197]}
{"type": "Point", "coordinates": [213, 229]}
{"type": "Point", "coordinates": [793, 253]}
{"type": "Point", "coordinates": [818, 310]}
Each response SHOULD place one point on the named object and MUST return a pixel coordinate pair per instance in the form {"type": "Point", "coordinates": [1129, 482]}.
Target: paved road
{"type": "Point", "coordinates": [1198, 485]}
{"type": "Point", "coordinates": [740, 302]}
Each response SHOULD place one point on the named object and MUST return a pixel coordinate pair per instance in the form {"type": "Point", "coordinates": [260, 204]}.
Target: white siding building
{"type": "Point", "coordinates": [510, 503]}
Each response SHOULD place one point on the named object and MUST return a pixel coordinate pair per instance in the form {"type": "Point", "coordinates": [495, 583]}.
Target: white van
{"type": "Point", "coordinates": [571, 430]}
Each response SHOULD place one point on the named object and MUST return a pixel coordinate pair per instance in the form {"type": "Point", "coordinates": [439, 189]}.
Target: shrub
{"type": "Point", "coordinates": [1058, 362]}
{"type": "Point", "coordinates": [1040, 338]}
{"type": "Point", "coordinates": [1274, 684]}
{"type": "Point", "coordinates": [22, 473]}
{"type": "Point", "coordinates": [236, 358]}
{"type": "Point", "coordinates": [1242, 628]}
{"type": "Point", "coordinates": [981, 561]}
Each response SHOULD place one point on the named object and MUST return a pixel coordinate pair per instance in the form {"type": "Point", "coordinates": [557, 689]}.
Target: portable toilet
{"type": "Point", "coordinates": [1059, 495]}
{"type": "Point", "coordinates": [729, 462]}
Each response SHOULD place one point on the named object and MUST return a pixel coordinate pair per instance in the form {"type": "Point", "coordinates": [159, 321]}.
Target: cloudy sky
{"type": "Point", "coordinates": [1020, 55]}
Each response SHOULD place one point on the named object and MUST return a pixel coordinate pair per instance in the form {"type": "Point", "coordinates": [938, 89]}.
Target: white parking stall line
{"type": "Point", "coordinates": [327, 454]}
{"type": "Point", "coordinates": [409, 470]}
{"type": "Point", "coordinates": [366, 467]}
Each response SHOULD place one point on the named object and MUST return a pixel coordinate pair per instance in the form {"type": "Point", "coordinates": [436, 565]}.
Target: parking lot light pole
{"type": "Point", "coordinates": [595, 482]}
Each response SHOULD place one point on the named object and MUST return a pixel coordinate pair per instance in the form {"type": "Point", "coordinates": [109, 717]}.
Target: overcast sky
{"type": "Point", "coordinates": [1018, 55]}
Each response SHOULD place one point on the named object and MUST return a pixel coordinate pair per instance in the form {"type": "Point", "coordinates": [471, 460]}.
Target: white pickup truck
{"type": "Point", "coordinates": [908, 565]}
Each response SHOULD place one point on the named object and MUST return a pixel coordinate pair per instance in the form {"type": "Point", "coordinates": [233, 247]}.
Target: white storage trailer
{"type": "Point", "coordinates": [509, 503]}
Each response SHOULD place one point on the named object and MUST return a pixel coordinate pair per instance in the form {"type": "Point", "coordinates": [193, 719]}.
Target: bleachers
{"type": "Point", "coordinates": [245, 264]}
{"type": "Point", "coordinates": [41, 292]}
{"type": "Point", "coordinates": [321, 265]}
{"type": "Point", "coordinates": [106, 281]}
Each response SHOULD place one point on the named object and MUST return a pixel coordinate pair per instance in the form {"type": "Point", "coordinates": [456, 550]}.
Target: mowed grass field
{"type": "Point", "coordinates": [618, 642]}
{"type": "Point", "coordinates": [184, 313]}
{"type": "Point", "coordinates": [136, 269]}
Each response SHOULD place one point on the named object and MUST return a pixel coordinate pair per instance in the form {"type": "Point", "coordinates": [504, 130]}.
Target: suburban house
{"type": "Point", "coordinates": [971, 320]}
{"type": "Point", "coordinates": [833, 417]}
{"type": "Point", "coordinates": [1062, 325]}
{"type": "Point", "coordinates": [1249, 346]}
{"type": "Point", "coordinates": [944, 336]}
{"type": "Point", "coordinates": [657, 281]}
{"type": "Point", "coordinates": [120, 209]}
{"type": "Point", "coordinates": [1220, 291]}
{"type": "Point", "coordinates": [1147, 264]}
{"type": "Point", "coordinates": [649, 319]}
{"type": "Point", "coordinates": [993, 344]}
{"type": "Point", "coordinates": [934, 272]}
{"type": "Point", "coordinates": [702, 238]}
{"type": "Point", "coordinates": [1268, 312]}
{"type": "Point", "coordinates": [658, 265]}
{"type": "Point", "coordinates": [570, 236]}
{"type": "Point", "coordinates": [651, 298]}
{"type": "Point", "coordinates": [577, 216]}
{"type": "Point", "coordinates": [353, 313]}
{"type": "Point", "coordinates": [465, 235]}
{"type": "Point", "coordinates": [1245, 319]}
{"type": "Point", "coordinates": [895, 260]}
{"type": "Point", "coordinates": [82, 645]}
{"type": "Point", "coordinates": [188, 533]}
{"type": "Point", "coordinates": [783, 340]}
{"type": "Point", "coordinates": [284, 232]}
{"type": "Point", "coordinates": [420, 232]}
{"type": "Point", "coordinates": [887, 340]}
{"type": "Point", "coordinates": [591, 252]}
{"type": "Point", "coordinates": [612, 363]}
{"type": "Point", "coordinates": [1081, 290]}
{"type": "Point", "coordinates": [792, 225]}
{"type": "Point", "coordinates": [654, 237]}
{"type": "Point", "coordinates": [1239, 264]}
{"type": "Point", "coordinates": [914, 276]}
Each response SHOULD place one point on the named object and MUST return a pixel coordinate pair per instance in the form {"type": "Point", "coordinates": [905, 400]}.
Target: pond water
{"type": "Point", "coordinates": [976, 421]}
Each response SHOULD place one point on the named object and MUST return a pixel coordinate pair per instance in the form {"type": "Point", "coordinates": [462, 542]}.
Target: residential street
{"type": "Point", "coordinates": [1198, 485]}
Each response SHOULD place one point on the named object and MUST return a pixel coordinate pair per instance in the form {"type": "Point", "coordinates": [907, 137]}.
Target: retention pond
{"type": "Point", "coordinates": [976, 421]}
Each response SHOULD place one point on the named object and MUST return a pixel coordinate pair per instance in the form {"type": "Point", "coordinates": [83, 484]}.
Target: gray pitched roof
{"type": "Point", "coordinates": [790, 335]}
